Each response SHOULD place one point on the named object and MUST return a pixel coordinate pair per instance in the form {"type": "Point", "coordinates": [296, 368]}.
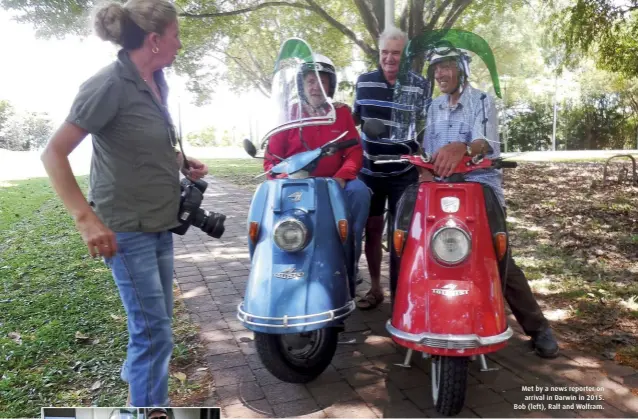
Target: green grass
{"type": "Point", "coordinates": [240, 172]}
{"type": "Point", "coordinates": [62, 327]}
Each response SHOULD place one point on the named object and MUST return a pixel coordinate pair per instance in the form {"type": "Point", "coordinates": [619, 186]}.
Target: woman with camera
{"type": "Point", "coordinates": [134, 181]}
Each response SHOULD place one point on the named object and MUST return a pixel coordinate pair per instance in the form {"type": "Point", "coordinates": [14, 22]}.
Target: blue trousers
{"type": "Point", "coordinates": [358, 196]}
{"type": "Point", "coordinates": [143, 272]}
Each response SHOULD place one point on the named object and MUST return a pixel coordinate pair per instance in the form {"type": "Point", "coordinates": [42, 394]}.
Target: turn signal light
{"type": "Point", "coordinates": [500, 240]}
{"type": "Point", "coordinates": [253, 231]}
{"type": "Point", "coordinates": [398, 239]}
{"type": "Point", "coordinates": [343, 230]}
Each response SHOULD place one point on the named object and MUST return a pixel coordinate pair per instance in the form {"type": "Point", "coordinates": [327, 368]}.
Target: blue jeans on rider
{"type": "Point", "coordinates": [358, 196]}
{"type": "Point", "coordinates": [143, 272]}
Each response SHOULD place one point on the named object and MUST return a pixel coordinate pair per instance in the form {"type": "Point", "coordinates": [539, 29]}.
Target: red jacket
{"type": "Point", "coordinates": [343, 164]}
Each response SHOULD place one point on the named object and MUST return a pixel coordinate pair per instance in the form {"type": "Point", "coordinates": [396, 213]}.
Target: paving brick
{"type": "Point", "coordinates": [499, 380]}
{"type": "Point", "coordinates": [206, 316]}
{"type": "Point", "coordinates": [208, 326]}
{"type": "Point", "coordinates": [329, 375]}
{"type": "Point", "coordinates": [226, 360]}
{"type": "Point", "coordinates": [231, 376]}
{"type": "Point", "coordinates": [363, 375]}
{"type": "Point", "coordinates": [216, 335]}
{"type": "Point", "coordinates": [244, 336]}
{"type": "Point", "coordinates": [213, 279]}
{"type": "Point", "coordinates": [377, 346]}
{"type": "Point", "coordinates": [285, 392]}
{"type": "Point", "coordinates": [349, 409]}
{"type": "Point", "coordinates": [406, 378]}
{"type": "Point", "coordinates": [420, 396]}
{"type": "Point", "coordinates": [255, 409]}
{"type": "Point", "coordinates": [239, 393]}
{"type": "Point", "coordinates": [349, 359]}
{"type": "Point", "coordinates": [328, 394]}
{"type": "Point", "coordinates": [381, 395]}
{"type": "Point", "coordinates": [480, 395]}
{"type": "Point", "coordinates": [254, 362]}
{"type": "Point", "coordinates": [221, 347]}
{"type": "Point", "coordinates": [306, 408]}
{"type": "Point", "coordinates": [264, 377]}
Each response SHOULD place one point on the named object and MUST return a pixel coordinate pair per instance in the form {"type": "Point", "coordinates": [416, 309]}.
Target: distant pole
{"type": "Point", "coordinates": [389, 14]}
{"type": "Point", "coordinates": [555, 108]}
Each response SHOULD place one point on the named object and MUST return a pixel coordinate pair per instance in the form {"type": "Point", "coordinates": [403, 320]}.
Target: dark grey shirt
{"type": "Point", "coordinates": [134, 178]}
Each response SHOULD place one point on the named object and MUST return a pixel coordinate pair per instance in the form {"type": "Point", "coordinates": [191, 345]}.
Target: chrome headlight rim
{"type": "Point", "coordinates": [466, 236]}
{"type": "Point", "coordinates": [297, 223]}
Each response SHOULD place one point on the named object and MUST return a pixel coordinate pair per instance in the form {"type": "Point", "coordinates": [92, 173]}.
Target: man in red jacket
{"type": "Point", "coordinates": [344, 165]}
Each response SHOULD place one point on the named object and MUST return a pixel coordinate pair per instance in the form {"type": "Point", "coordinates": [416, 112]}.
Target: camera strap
{"type": "Point", "coordinates": [173, 135]}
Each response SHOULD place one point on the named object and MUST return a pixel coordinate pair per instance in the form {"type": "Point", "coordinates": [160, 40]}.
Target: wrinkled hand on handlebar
{"type": "Point", "coordinates": [447, 158]}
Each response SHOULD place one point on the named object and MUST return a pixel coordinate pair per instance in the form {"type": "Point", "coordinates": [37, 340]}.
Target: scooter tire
{"type": "Point", "coordinates": [275, 358]}
{"type": "Point", "coordinates": [449, 397]}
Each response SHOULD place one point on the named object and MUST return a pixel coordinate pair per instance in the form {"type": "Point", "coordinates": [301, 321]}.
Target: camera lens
{"type": "Point", "coordinates": [211, 223]}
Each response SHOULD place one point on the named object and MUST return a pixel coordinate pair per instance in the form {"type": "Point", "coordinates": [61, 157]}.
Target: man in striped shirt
{"type": "Point", "coordinates": [464, 121]}
{"type": "Point", "coordinates": [402, 110]}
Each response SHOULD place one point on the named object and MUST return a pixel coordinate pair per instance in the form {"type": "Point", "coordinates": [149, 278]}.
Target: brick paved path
{"type": "Point", "coordinates": [362, 380]}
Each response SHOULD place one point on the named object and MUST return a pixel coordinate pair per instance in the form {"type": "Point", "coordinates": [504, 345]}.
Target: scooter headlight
{"type": "Point", "coordinates": [290, 235]}
{"type": "Point", "coordinates": [451, 245]}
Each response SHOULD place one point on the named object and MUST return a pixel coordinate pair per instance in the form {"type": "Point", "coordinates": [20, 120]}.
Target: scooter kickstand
{"type": "Point", "coordinates": [406, 361]}
{"type": "Point", "coordinates": [347, 341]}
{"type": "Point", "coordinates": [484, 367]}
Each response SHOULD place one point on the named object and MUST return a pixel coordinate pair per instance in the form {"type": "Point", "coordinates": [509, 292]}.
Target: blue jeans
{"type": "Point", "coordinates": [358, 196]}
{"type": "Point", "coordinates": [143, 272]}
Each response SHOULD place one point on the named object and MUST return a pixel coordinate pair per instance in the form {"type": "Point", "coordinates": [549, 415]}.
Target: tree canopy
{"type": "Point", "coordinates": [243, 36]}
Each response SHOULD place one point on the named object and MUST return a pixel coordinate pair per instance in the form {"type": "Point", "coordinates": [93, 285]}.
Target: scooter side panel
{"type": "Point", "coordinates": [256, 210]}
{"type": "Point", "coordinates": [458, 300]}
{"type": "Point", "coordinates": [308, 282]}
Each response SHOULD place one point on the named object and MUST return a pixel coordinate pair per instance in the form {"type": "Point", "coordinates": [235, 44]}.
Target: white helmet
{"type": "Point", "coordinates": [324, 65]}
{"type": "Point", "coordinates": [450, 53]}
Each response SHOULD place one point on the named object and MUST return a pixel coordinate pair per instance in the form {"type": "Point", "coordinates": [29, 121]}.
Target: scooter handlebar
{"type": "Point", "coordinates": [506, 164]}
{"type": "Point", "coordinates": [346, 144]}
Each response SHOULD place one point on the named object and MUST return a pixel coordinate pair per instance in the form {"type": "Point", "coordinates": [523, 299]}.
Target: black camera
{"type": "Point", "coordinates": [190, 213]}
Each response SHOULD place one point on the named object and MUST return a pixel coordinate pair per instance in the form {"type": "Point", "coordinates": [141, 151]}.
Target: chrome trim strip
{"type": "Point", "coordinates": [447, 341]}
{"type": "Point", "coordinates": [336, 314]}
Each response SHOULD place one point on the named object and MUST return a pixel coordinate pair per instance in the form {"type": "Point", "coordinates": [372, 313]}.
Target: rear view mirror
{"type": "Point", "coordinates": [249, 147]}
{"type": "Point", "coordinates": [373, 128]}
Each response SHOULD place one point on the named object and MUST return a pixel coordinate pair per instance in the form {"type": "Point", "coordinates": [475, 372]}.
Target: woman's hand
{"type": "Point", "coordinates": [98, 238]}
{"type": "Point", "coordinates": [196, 170]}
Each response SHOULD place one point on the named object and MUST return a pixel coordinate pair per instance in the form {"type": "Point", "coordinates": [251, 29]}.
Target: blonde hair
{"type": "Point", "coordinates": [127, 24]}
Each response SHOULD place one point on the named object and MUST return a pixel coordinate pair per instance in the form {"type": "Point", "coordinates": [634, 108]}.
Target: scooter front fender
{"type": "Point", "coordinates": [292, 292]}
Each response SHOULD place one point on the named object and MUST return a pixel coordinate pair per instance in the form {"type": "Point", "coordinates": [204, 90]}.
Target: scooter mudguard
{"type": "Point", "coordinates": [454, 309]}
{"type": "Point", "coordinates": [293, 292]}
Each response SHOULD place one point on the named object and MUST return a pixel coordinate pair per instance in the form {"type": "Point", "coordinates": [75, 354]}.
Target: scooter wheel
{"type": "Point", "coordinates": [449, 383]}
{"type": "Point", "coordinates": [297, 357]}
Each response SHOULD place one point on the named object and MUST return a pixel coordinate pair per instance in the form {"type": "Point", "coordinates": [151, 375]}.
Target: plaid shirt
{"type": "Point", "coordinates": [474, 117]}
{"type": "Point", "coordinates": [401, 108]}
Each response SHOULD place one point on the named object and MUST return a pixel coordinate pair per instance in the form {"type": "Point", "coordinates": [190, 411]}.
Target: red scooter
{"type": "Point", "coordinates": [453, 247]}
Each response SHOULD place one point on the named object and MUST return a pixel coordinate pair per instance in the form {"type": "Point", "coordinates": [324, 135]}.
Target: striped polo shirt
{"type": "Point", "coordinates": [402, 110]}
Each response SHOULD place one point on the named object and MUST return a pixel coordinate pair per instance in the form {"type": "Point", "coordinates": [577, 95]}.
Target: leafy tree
{"type": "Point", "coordinates": [203, 138]}
{"type": "Point", "coordinates": [244, 35]}
{"type": "Point", "coordinates": [23, 133]}
{"type": "Point", "coordinates": [531, 129]}
{"type": "Point", "coordinates": [606, 28]}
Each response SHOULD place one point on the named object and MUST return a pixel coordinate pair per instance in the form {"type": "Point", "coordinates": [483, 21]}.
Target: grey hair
{"type": "Point", "coordinates": [392, 33]}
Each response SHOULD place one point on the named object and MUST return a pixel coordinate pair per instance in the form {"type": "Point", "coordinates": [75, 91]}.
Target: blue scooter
{"type": "Point", "coordinates": [301, 284]}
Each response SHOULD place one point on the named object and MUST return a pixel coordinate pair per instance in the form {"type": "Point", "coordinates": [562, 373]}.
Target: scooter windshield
{"type": "Point", "coordinates": [421, 47]}
{"type": "Point", "coordinates": [298, 97]}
